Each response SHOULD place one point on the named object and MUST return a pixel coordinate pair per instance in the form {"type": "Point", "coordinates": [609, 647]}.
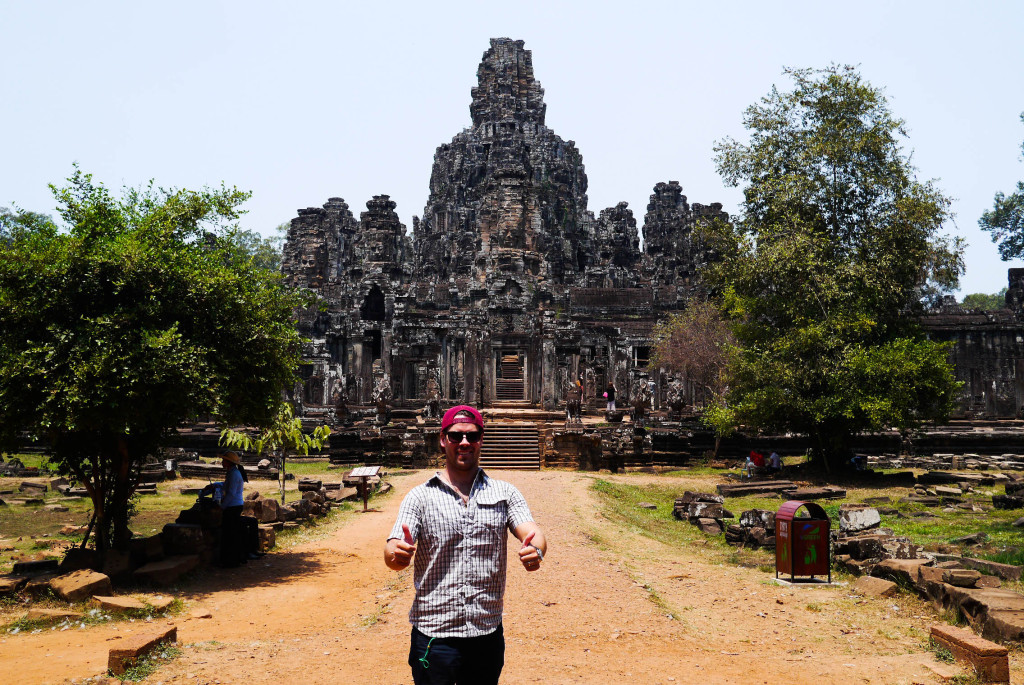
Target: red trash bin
{"type": "Point", "coordinates": [802, 543]}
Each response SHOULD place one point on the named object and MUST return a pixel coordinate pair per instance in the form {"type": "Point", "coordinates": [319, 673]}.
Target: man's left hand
{"type": "Point", "coordinates": [529, 555]}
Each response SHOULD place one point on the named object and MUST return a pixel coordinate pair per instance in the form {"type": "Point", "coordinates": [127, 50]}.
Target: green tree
{"type": "Point", "coordinates": [1006, 220]}
{"type": "Point", "coordinates": [283, 435]}
{"type": "Point", "coordinates": [836, 247]}
{"type": "Point", "coordinates": [264, 253]}
{"type": "Point", "coordinates": [129, 320]}
{"type": "Point", "coordinates": [20, 220]}
{"type": "Point", "coordinates": [986, 302]}
{"type": "Point", "coordinates": [697, 345]}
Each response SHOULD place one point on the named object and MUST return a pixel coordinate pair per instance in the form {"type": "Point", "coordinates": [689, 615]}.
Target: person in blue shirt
{"type": "Point", "coordinates": [235, 543]}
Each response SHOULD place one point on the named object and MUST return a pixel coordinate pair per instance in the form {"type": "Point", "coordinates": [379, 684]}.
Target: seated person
{"type": "Point", "coordinates": [748, 468]}
{"type": "Point", "coordinates": [774, 463]}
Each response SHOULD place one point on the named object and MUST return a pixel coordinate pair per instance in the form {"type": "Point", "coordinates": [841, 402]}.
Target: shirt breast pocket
{"type": "Point", "coordinates": [491, 515]}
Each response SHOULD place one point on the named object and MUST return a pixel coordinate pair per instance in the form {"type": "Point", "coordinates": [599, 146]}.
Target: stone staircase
{"type": "Point", "coordinates": [510, 386]}
{"type": "Point", "coordinates": [511, 446]}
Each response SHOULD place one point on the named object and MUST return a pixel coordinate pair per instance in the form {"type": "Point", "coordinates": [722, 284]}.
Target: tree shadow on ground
{"type": "Point", "coordinates": [275, 568]}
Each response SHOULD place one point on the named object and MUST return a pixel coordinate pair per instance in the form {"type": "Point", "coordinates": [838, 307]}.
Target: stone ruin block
{"type": "Point", "coordinates": [127, 653]}
{"type": "Point", "coordinates": [1003, 571]}
{"type": "Point", "coordinates": [268, 510]}
{"type": "Point", "coordinates": [315, 496]}
{"type": "Point", "coordinates": [76, 559]}
{"type": "Point", "coordinates": [755, 529]}
{"type": "Point", "coordinates": [689, 497]}
{"type": "Point", "coordinates": [903, 571]}
{"type": "Point", "coordinates": [857, 518]}
{"type": "Point", "coordinates": [990, 661]}
{"type": "Point", "coordinates": [758, 517]}
{"type": "Point", "coordinates": [709, 526]}
{"type": "Point", "coordinates": [303, 508]}
{"type": "Point", "coordinates": [1014, 487]}
{"type": "Point", "coordinates": [1008, 501]}
{"type": "Point", "coordinates": [875, 587]}
{"type": "Point", "coordinates": [862, 547]}
{"type": "Point", "coordinates": [268, 538]}
{"type": "Point", "coordinates": [900, 548]}
{"type": "Point", "coordinates": [961, 577]}
{"type": "Point", "coordinates": [9, 586]}
{"type": "Point", "coordinates": [183, 539]}
{"type": "Point", "coordinates": [713, 510]}
{"type": "Point", "coordinates": [118, 565]}
{"type": "Point", "coordinates": [144, 550]}
{"type": "Point", "coordinates": [81, 584]}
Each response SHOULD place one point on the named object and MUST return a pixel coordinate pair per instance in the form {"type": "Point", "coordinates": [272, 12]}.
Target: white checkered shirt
{"type": "Point", "coordinates": [461, 553]}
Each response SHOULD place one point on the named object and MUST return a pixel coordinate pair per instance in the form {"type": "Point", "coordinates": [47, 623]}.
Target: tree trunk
{"type": "Point", "coordinates": [121, 497]}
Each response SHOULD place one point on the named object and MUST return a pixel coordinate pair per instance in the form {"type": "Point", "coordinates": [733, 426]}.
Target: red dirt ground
{"type": "Point", "coordinates": [329, 611]}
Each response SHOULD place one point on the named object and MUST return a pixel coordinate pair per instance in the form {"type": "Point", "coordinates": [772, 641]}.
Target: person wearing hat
{"type": "Point", "coordinates": [236, 543]}
{"type": "Point", "coordinates": [454, 528]}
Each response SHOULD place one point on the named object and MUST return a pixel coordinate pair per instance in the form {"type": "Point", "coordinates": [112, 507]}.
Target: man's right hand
{"type": "Point", "coordinates": [398, 553]}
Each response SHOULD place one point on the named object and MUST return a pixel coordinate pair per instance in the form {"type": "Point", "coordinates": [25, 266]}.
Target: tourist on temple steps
{"type": "Point", "coordinates": [454, 528]}
{"type": "Point", "coordinates": [609, 394]}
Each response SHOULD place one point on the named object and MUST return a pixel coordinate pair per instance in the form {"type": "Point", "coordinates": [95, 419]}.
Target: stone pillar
{"type": "Point", "coordinates": [385, 361]}
{"type": "Point", "coordinates": [549, 391]}
{"type": "Point", "coordinates": [357, 367]}
{"type": "Point", "coordinates": [470, 371]}
{"type": "Point", "coordinates": [485, 371]}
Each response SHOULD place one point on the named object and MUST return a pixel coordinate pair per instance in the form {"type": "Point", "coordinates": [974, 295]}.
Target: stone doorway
{"type": "Point", "coordinates": [508, 384]}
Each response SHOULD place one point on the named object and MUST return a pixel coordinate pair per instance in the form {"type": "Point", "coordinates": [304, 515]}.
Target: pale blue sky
{"type": "Point", "coordinates": [301, 101]}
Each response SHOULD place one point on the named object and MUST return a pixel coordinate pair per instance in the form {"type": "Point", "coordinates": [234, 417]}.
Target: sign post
{"type": "Point", "coordinates": [364, 474]}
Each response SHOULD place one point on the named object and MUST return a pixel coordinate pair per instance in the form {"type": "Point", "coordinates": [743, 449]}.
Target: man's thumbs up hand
{"type": "Point", "coordinates": [401, 551]}
{"type": "Point", "coordinates": [528, 554]}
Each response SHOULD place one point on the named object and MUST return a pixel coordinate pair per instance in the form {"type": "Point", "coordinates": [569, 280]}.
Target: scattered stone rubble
{"type": "Point", "coordinates": [944, 460]}
{"type": "Point", "coordinates": [160, 560]}
{"type": "Point", "coordinates": [755, 529]}
{"type": "Point", "coordinates": [885, 562]}
{"type": "Point", "coordinates": [703, 509]}
{"type": "Point", "coordinates": [950, 582]}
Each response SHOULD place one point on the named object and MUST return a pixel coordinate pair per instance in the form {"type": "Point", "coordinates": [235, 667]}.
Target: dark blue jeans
{"type": "Point", "coordinates": [457, 660]}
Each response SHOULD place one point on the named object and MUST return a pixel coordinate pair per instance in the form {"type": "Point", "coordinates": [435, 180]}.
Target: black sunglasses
{"type": "Point", "coordinates": [457, 436]}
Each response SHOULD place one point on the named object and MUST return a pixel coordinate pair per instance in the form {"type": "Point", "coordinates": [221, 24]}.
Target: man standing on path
{"type": "Point", "coordinates": [454, 526]}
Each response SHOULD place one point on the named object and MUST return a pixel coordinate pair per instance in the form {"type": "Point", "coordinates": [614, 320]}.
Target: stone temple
{"type": "Point", "coordinates": [509, 285]}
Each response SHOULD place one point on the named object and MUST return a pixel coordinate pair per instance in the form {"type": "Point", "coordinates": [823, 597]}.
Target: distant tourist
{"type": "Point", "coordinates": [774, 463]}
{"type": "Point", "coordinates": [609, 395]}
{"type": "Point", "coordinates": [454, 528]}
{"type": "Point", "coordinates": [239, 536]}
{"type": "Point", "coordinates": [757, 458]}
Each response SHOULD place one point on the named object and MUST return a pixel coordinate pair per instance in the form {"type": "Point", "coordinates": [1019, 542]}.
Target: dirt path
{"type": "Point", "coordinates": [329, 611]}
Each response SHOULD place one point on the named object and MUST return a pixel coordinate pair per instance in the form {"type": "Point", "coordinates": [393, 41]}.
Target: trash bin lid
{"type": "Point", "coordinates": [787, 512]}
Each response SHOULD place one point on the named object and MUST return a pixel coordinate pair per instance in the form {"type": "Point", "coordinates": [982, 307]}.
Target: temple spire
{"type": "Point", "coordinates": [507, 88]}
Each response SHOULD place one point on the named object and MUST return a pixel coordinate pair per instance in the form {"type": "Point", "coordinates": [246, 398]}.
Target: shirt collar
{"type": "Point", "coordinates": [479, 481]}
